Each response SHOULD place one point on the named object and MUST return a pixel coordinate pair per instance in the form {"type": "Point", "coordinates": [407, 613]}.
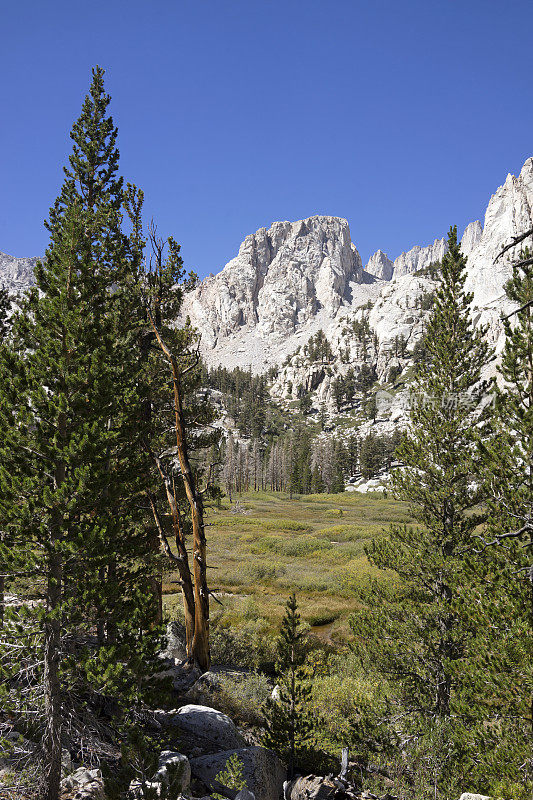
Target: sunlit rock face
{"type": "Point", "coordinates": [509, 213]}
{"type": "Point", "coordinates": [471, 237]}
{"type": "Point", "coordinates": [380, 266]}
{"type": "Point", "coordinates": [280, 279]}
{"type": "Point", "coordinates": [16, 274]}
{"type": "Point", "coordinates": [295, 278]}
{"type": "Point", "coordinates": [418, 258]}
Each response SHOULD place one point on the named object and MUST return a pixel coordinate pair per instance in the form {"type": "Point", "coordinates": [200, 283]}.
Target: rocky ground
{"type": "Point", "coordinates": [207, 740]}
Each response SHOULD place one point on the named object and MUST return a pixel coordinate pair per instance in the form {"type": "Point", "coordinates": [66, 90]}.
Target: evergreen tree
{"type": "Point", "coordinates": [317, 484]}
{"type": "Point", "coordinates": [416, 638]}
{"type": "Point", "coordinates": [300, 470]}
{"type": "Point", "coordinates": [288, 721]}
{"type": "Point", "coordinates": [500, 592]}
{"type": "Point", "coordinates": [366, 378]}
{"type": "Point", "coordinates": [352, 454]}
{"type": "Point", "coordinates": [370, 455]}
{"type": "Point", "coordinates": [69, 460]}
{"type": "Point", "coordinates": [339, 461]}
{"type": "Point", "coordinates": [371, 407]}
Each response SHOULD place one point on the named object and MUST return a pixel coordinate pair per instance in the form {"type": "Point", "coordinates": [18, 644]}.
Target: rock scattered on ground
{"type": "Point", "coordinates": [84, 784]}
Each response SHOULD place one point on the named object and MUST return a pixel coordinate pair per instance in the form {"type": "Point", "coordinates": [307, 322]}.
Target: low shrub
{"type": "Point", "coordinates": [299, 546]}
{"type": "Point", "coordinates": [264, 524]}
{"type": "Point", "coordinates": [249, 646]}
{"type": "Point", "coordinates": [260, 572]}
{"type": "Point", "coordinates": [242, 697]}
{"type": "Point", "coordinates": [322, 617]}
{"type": "Point", "coordinates": [334, 512]}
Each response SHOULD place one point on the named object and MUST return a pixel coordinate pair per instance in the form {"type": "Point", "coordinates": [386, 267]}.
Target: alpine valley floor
{"type": "Point", "coordinates": [264, 545]}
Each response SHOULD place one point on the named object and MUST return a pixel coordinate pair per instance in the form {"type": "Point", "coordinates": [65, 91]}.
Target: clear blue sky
{"type": "Point", "coordinates": [402, 117]}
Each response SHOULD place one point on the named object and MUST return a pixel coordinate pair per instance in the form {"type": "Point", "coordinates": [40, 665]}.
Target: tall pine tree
{"type": "Point", "coordinates": [70, 415]}
{"type": "Point", "coordinates": [415, 637]}
{"type": "Point", "coordinates": [501, 594]}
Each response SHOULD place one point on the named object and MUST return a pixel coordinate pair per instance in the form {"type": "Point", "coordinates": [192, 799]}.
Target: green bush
{"type": "Point", "coordinates": [241, 697]}
{"type": "Point", "coordinates": [334, 512]}
{"type": "Point", "coordinates": [232, 776]}
{"type": "Point", "coordinates": [325, 617]}
{"type": "Point", "coordinates": [251, 645]}
{"type": "Point", "coordinates": [299, 546]}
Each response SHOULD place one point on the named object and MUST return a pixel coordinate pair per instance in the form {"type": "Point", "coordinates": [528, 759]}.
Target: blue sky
{"type": "Point", "coordinates": [403, 117]}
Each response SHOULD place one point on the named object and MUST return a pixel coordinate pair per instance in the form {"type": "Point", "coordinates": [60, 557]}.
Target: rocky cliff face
{"type": "Point", "coordinates": [279, 281]}
{"type": "Point", "coordinates": [16, 274]}
{"type": "Point", "coordinates": [509, 212]}
{"type": "Point", "coordinates": [291, 280]}
{"type": "Point", "coordinates": [418, 258]}
{"type": "Point", "coordinates": [294, 278]}
{"type": "Point", "coordinates": [380, 266]}
{"type": "Point", "coordinates": [297, 278]}
{"type": "Point", "coordinates": [471, 236]}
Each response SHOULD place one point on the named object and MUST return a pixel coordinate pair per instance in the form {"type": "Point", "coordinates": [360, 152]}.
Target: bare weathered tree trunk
{"type": "Point", "coordinates": [200, 651]}
{"type": "Point", "coordinates": [200, 646]}
{"type": "Point", "coordinates": [52, 646]}
{"type": "Point", "coordinates": [2, 591]}
{"type": "Point", "coordinates": [181, 560]}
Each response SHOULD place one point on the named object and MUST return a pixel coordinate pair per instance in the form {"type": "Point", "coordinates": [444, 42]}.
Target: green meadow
{"type": "Point", "coordinates": [266, 545]}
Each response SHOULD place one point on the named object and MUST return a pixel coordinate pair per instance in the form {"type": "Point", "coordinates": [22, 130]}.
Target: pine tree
{"type": "Point", "coordinates": [69, 460]}
{"type": "Point", "coordinates": [339, 461]}
{"type": "Point", "coordinates": [416, 638]}
{"type": "Point", "coordinates": [370, 455]}
{"type": "Point", "coordinates": [500, 598]}
{"type": "Point", "coordinates": [289, 723]}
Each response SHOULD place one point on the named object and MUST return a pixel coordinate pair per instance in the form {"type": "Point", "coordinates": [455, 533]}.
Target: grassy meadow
{"type": "Point", "coordinates": [265, 545]}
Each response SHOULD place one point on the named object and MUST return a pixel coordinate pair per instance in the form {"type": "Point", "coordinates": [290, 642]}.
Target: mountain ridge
{"type": "Point", "coordinates": [297, 297]}
{"type": "Point", "coordinates": [293, 279]}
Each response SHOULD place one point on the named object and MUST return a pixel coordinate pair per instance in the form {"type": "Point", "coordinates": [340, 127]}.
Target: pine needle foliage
{"type": "Point", "coordinates": [289, 723]}
{"type": "Point", "coordinates": [69, 457]}
{"type": "Point", "coordinates": [416, 636]}
{"type": "Point", "coordinates": [501, 596]}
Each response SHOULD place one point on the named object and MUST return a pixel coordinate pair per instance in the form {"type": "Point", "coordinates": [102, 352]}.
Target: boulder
{"type": "Point", "coordinates": [205, 688]}
{"type": "Point", "coordinates": [207, 726]}
{"type": "Point", "coordinates": [263, 771]}
{"type": "Point", "coordinates": [184, 677]}
{"type": "Point", "coordinates": [311, 787]}
{"type": "Point", "coordinates": [469, 796]}
{"type": "Point", "coordinates": [174, 772]}
{"type": "Point", "coordinates": [84, 784]}
{"type": "Point", "coordinates": [176, 647]}
{"type": "Point", "coordinates": [245, 794]}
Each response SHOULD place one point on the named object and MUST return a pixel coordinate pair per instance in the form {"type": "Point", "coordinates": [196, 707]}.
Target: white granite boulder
{"type": "Point", "coordinates": [469, 796]}
{"type": "Point", "coordinates": [208, 726]}
{"type": "Point", "coordinates": [263, 771]}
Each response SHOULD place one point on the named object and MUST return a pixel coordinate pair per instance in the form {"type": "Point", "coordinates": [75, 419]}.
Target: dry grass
{"type": "Point", "coordinates": [312, 545]}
